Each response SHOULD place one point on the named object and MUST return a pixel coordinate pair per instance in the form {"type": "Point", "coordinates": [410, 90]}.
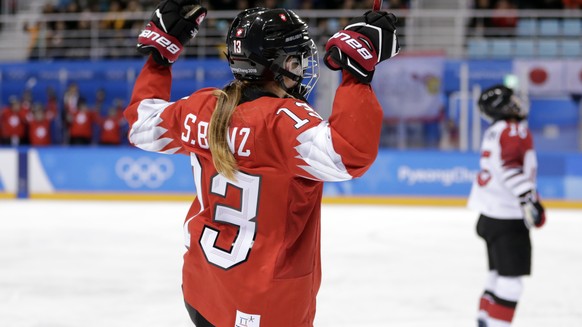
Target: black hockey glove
{"type": "Point", "coordinates": [172, 25]}
{"type": "Point", "coordinates": [534, 213]}
{"type": "Point", "coordinates": [362, 44]}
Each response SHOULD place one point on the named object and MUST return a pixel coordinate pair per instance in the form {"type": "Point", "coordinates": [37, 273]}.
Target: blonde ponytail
{"type": "Point", "coordinates": [222, 157]}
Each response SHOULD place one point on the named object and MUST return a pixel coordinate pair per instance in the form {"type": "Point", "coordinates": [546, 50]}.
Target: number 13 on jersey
{"type": "Point", "coordinates": [243, 219]}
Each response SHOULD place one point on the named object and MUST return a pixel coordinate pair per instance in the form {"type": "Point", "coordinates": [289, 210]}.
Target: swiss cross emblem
{"type": "Point", "coordinates": [283, 17]}
{"type": "Point", "coordinates": [239, 32]}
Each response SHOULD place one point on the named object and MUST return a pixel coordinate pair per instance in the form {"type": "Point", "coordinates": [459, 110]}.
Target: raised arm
{"type": "Point", "coordinates": [347, 146]}
{"type": "Point", "coordinates": [152, 118]}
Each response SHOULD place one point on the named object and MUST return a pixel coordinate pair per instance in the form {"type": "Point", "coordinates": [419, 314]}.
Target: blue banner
{"type": "Point", "coordinates": [9, 172]}
{"type": "Point", "coordinates": [413, 173]}
{"type": "Point", "coordinates": [98, 170]}
{"type": "Point", "coordinates": [112, 170]}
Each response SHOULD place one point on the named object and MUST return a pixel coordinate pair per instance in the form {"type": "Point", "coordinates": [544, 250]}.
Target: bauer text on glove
{"type": "Point", "coordinates": [366, 41]}
{"type": "Point", "coordinates": [172, 25]}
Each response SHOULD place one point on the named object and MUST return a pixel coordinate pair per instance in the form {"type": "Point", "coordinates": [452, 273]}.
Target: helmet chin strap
{"type": "Point", "coordinates": [296, 90]}
{"type": "Point", "coordinates": [293, 70]}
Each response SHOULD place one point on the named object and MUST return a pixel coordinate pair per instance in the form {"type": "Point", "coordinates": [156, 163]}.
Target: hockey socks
{"type": "Point", "coordinates": [498, 302]}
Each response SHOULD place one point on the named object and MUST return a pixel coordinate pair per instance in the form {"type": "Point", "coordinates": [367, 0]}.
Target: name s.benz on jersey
{"type": "Point", "coordinates": [236, 136]}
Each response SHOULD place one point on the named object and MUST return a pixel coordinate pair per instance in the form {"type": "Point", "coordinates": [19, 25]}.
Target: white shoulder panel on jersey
{"type": "Point", "coordinates": [145, 132]}
{"type": "Point", "coordinates": [316, 149]}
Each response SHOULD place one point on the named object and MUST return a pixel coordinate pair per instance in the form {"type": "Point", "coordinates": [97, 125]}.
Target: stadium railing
{"type": "Point", "coordinates": [26, 35]}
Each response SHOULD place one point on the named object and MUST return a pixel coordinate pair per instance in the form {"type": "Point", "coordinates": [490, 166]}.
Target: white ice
{"type": "Point", "coordinates": [118, 264]}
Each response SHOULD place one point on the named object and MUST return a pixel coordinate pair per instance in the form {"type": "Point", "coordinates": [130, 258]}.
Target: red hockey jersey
{"type": "Point", "coordinates": [110, 131]}
{"type": "Point", "coordinates": [82, 124]}
{"type": "Point", "coordinates": [39, 132]}
{"type": "Point", "coordinates": [254, 243]}
{"type": "Point", "coordinates": [13, 124]}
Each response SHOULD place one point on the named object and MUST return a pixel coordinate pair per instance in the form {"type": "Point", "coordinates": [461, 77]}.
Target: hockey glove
{"type": "Point", "coordinates": [534, 213]}
{"type": "Point", "coordinates": [172, 25]}
{"type": "Point", "coordinates": [362, 44]}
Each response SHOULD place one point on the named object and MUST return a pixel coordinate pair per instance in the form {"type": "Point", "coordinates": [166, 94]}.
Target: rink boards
{"type": "Point", "coordinates": [126, 173]}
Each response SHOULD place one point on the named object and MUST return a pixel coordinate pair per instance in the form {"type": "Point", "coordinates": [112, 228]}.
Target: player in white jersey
{"type": "Point", "coordinates": [504, 194]}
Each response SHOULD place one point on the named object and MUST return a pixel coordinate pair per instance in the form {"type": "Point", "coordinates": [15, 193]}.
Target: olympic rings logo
{"type": "Point", "coordinates": [144, 171]}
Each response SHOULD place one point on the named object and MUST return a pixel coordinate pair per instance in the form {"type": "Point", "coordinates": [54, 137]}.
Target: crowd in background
{"type": "Point", "coordinates": [75, 37]}
{"type": "Point", "coordinates": [503, 22]}
{"type": "Point", "coordinates": [117, 30]}
{"type": "Point", "coordinates": [68, 120]}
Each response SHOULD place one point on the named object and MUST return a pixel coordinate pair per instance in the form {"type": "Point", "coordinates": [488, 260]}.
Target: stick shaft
{"type": "Point", "coordinates": [377, 5]}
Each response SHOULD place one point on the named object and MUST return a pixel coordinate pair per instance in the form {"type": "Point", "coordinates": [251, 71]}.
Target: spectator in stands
{"type": "Point", "coordinates": [572, 4]}
{"type": "Point", "coordinates": [110, 127]}
{"type": "Point", "coordinates": [81, 125]}
{"type": "Point", "coordinates": [114, 19]}
{"type": "Point", "coordinates": [71, 99]}
{"type": "Point", "coordinates": [40, 126]}
{"type": "Point", "coordinates": [480, 25]}
{"type": "Point", "coordinates": [40, 33]}
{"type": "Point", "coordinates": [52, 104]}
{"type": "Point", "coordinates": [73, 10]}
{"type": "Point", "coordinates": [13, 124]}
{"type": "Point", "coordinates": [56, 41]}
{"type": "Point", "coordinates": [305, 5]}
{"type": "Point", "coordinates": [504, 18]}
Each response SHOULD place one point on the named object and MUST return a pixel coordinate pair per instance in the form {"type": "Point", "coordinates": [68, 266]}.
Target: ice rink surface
{"type": "Point", "coordinates": [118, 264]}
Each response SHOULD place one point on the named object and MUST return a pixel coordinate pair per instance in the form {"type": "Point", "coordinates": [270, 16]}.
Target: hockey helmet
{"type": "Point", "coordinates": [268, 44]}
{"type": "Point", "coordinates": [499, 102]}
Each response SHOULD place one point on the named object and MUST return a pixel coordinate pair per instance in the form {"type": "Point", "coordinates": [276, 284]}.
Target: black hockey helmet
{"type": "Point", "coordinates": [499, 102]}
{"type": "Point", "coordinates": [261, 42]}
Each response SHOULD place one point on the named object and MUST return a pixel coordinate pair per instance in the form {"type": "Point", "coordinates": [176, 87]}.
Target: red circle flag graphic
{"type": "Point", "coordinates": [538, 75]}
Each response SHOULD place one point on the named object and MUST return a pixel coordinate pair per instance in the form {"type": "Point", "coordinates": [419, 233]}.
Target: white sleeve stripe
{"type": "Point", "coordinates": [145, 132]}
{"type": "Point", "coordinates": [507, 174]}
{"type": "Point", "coordinates": [518, 186]}
{"type": "Point", "coordinates": [316, 149]}
{"type": "Point", "coordinates": [516, 180]}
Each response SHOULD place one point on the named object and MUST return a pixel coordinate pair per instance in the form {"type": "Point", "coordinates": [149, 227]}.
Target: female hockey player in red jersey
{"type": "Point", "coordinates": [259, 154]}
{"type": "Point", "coordinates": [504, 193]}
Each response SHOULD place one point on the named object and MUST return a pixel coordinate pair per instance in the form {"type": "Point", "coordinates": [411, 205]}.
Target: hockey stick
{"type": "Point", "coordinates": [377, 5]}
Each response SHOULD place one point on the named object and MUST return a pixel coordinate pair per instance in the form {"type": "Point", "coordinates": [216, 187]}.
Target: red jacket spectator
{"type": "Point", "coordinates": [81, 122]}
{"type": "Point", "coordinates": [13, 123]}
{"type": "Point", "coordinates": [110, 127]}
{"type": "Point", "coordinates": [505, 15]}
{"type": "Point", "coordinates": [39, 128]}
{"type": "Point", "coordinates": [572, 4]}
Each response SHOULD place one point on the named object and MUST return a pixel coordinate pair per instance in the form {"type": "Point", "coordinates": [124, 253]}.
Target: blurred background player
{"type": "Point", "coordinates": [81, 123]}
{"type": "Point", "coordinates": [13, 123]}
{"type": "Point", "coordinates": [504, 193]}
{"type": "Point", "coordinates": [39, 125]}
{"type": "Point", "coordinates": [260, 154]}
{"type": "Point", "coordinates": [110, 127]}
